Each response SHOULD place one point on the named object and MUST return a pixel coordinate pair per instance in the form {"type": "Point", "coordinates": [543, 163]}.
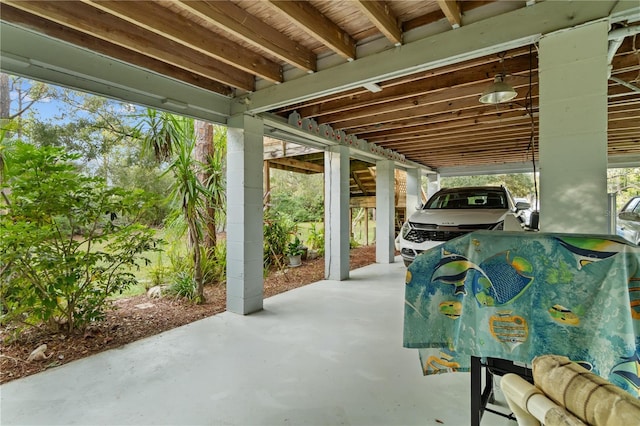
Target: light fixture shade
{"type": "Point", "coordinates": [498, 92]}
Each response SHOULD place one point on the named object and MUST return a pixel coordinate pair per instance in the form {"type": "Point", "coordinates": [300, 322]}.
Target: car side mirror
{"type": "Point", "coordinates": [418, 206]}
{"type": "Point", "coordinates": [628, 216]}
{"type": "Point", "coordinates": [522, 205]}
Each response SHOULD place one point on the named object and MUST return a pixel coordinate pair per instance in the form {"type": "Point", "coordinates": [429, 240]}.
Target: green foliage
{"type": "Point", "coordinates": [65, 248]}
{"type": "Point", "coordinates": [215, 263]}
{"type": "Point", "coordinates": [316, 239]}
{"type": "Point", "coordinates": [183, 286]}
{"type": "Point", "coordinates": [295, 247]}
{"type": "Point", "coordinates": [173, 138]}
{"type": "Point", "coordinates": [625, 183]}
{"type": "Point", "coordinates": [277, 229]}
{"type": "Point", "coordinates": [297, 195]}
{"type": "Point", "coordinates": [519, 184]}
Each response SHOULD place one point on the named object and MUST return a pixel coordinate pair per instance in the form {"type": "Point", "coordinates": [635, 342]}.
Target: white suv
{"type": "Point", "coordinates": [452, 212]}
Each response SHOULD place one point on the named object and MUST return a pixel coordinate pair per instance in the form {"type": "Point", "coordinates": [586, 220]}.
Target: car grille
{"type": "Point", "coordinates": [430, 232]}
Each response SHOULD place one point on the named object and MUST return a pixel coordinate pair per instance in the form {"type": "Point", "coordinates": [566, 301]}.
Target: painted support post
{"type": "Point", "coordinates": [336, 213]}
{"type": "Point", "coordinates": [433, 184]}
{"type": "Point", "coordinates": [414, 193]}
{"type": "Point", "coordinates": [573, 130]}
{"type": "Point", "coordinates": [244, 214]}
{"type": "Point", "coordinates": [385, 208]}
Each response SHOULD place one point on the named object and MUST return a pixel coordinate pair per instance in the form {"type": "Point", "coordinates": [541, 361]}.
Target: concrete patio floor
{"type": "Point", "coordinates": [329, 353]}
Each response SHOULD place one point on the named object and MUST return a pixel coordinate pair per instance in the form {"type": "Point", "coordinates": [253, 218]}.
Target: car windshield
{"type": "Point", "coordinates": [484, 199]}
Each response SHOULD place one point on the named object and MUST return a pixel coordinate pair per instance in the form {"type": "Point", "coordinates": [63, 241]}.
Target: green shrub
{"type": "Point", "coordinates": [214, 265]}
{"type": "Point", "coordinates": [183, 285]}
{"type": "Point", "coordinates": [316, 239]}
{"type": "Point", "coordinates": [278, 228]}
{"type": "Point", "coordinates": [64, 248]}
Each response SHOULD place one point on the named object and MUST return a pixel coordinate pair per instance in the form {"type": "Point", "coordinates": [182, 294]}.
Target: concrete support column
{"type": "Point", "coordinates": [414, 192]}
{"type": "Point", "coordinates": [336, 213]}
{"type": "Point", "coordinates": [244, 214]}
{"type": "Point", "coordinates": [573, 130]}
{"type": "Point", "coordinates": [433, 184]}
{"type": "Point", "coordinates": [385, 211]}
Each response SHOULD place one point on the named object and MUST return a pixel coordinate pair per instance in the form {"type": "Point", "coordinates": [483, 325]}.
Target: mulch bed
{"type": "Point", "coordinates": [141, 316]}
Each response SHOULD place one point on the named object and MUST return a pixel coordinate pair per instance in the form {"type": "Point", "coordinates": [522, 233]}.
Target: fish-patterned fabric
{"type": "Point", "coordinates": [515, 296]}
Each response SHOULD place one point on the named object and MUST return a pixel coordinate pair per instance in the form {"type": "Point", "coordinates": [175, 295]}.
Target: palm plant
{"type": "Point", "coordinates": [172, 136]}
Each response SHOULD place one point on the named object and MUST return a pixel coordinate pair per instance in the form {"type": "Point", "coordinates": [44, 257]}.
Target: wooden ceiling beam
{"type": "Point", "coordinates": [481, 73]}
{"type": "Point", "coordinates": [477, 134]}
{"type": "Point", "coordinates": [471, 141]}
{"type": "Point", "coordinates": [235, 20]}
{"type": "Point", "coordinates": [356, 179]}
{"type": "Point", "coordinates": [161, 21]}
{"type": "Point", "coordinates": [479, 151]}
{"type": "Point", "coordinates": [460, 67]}
{"type": "Point", "coordinates": [451, 10]}
{"type": "Point", "coordinates": [318, 26]}
{"type": "Point", "coordinates": [432, 17]}
{"type": "Point", "coordinates": [463, 121]}
{"type": "Point", "coordinates": [89, 20]}
{"type": "Point", "coordinates": [297, 164]}
{"type": "Point", "coordinates": [381, 15]}
{"type": "Point", "coordinates": [408, 110]}
{"type": "Point", "coordinates": [69, 35]}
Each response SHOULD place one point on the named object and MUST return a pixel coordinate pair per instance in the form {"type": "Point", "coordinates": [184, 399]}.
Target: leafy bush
{"type": "Point", "coordinates": [316, 239]}
{"type": "Point", "coordinates": [65, 248]}
{"type": "Point", "coordinates": [278, 228]}
{"type": "Point", "coordinates": [183, 285]}
{"type": "Point", "coordinates": [295, 247]}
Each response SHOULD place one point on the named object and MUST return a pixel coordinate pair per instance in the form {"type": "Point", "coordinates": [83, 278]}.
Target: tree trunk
{"type": "Point", "coordinates": [197, 261]}
{"type": "Point", "coordinates": [5, 101]}
{"type": "Point", "coordinates": [202, 153]}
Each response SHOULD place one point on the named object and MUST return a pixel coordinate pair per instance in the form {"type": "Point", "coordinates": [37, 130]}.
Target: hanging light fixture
{"type": "Point", "coordinates": [498, 92]}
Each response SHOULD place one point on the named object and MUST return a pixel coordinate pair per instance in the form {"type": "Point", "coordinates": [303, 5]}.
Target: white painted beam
{"type": "Point", "coordinates": [46, 59]}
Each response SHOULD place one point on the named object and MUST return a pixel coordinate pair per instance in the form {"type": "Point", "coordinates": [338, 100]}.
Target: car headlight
{"type": "Point", "coordinates": [406, 228]}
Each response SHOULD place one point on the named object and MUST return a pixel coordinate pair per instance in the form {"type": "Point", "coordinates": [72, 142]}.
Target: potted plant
{"type": "Point", "coordinates": [294, 252]}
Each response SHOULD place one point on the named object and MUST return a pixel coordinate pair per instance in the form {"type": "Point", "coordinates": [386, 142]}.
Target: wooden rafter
{"type": "Point", "coordinates": [89, 20]}
{"type": "Point", "coordinates": [383, 18]}
{"type": "Point", "coordinates": [238, 22]}
{"type": "Point", "coordinates": [161, 21]}
{"type": "Point", "coordinates": [53, 29]}
{"type": "Point", "coordinates": [318, 26]}
{"type": "Point", "coordinates": [358, 182]}
{"type": "Point", "coordinates": [432, 86]}
{"type": "Point", "coordinates": [451, 10]}
{"type": "Point", "coordinates": [297, 164]}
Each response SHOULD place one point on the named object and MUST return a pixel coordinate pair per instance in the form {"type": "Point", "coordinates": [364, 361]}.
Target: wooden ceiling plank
{"type": "Point", "coordinates": [446, 120]}
{"type": "Point", "coordinates": [356, 178]}
{"type": "Point", "coordinates": [453, 108]}
{"type": "Point", "coordinates": [442, 72]}
{"type": "Point", "coordinates": [383, 18]}
{"type": "Point", "coordinates": [471, 93]}
{"type": "Point", "coordinates": [89, 20]}
{"type": "Point", "coordinates": [318, 26]}
{"type": "Point", "coordinates": [436, 16]}
{"type": "Point", "coordinates": [451, 10]}
{"type": "Point", "coordinates": [55, 30]}
{"type": "Point", "coordinates": [446, 85]}
{"type": "Point", "coordinates": [465, 120]}
{"type": "Point", "coordinates": [302, 165]}
{"type": "Point", "coordinates": [241, 24]}
{"type": "Point", "coordinates": [159, 20]}
{"type": "Point", "coordinates": [466, 134]}
{"type": "Point", "coordinates": [458, 142]}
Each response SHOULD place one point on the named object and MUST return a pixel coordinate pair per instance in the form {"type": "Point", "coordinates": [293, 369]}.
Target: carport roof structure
{"type": "Point", "coordinates": [400, 78]}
